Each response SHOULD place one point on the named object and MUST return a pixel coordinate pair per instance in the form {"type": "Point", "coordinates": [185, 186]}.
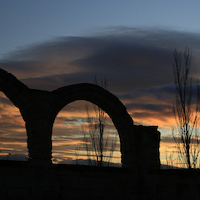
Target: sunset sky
{"type": "Point", "coordinates": [49, 44]}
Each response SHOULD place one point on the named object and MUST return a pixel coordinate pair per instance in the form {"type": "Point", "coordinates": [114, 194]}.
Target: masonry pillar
{"type": "Point", "coordinates": [39, 133]}
{"type": "Point", "coordinates": [125, 128]}
{"type": "Point", "coordinates": [147, 147]}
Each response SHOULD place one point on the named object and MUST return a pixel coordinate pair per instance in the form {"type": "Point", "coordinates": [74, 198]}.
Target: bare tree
{"type": "Point", "coordinates": [186, 110]}
{"type": "Point", "coordinates": [97, 144]}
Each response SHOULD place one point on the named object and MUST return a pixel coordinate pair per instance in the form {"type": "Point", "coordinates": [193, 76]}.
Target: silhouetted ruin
{"type": "Point", "coordinates": [40, 108]}
{"type": "Point", "coordinates": [139, 178]}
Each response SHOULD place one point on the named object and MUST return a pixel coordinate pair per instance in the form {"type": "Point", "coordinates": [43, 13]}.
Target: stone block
{"type": "Point", "coordinates": [2, 193]}
{"type": "Point", "coordinates": [70, 182]}
{"type": "Point", "coordinates": [17, 194]}
{"type": "Point", "coordinates": [2, 181]}
{"type": "Point", "coordinates": [18, 182]}
{"type": "Point", "coordinates": [99, 194]}
{"type": "Point", "coordinates": [166, 192]}
{"type": "Point", "coordinates": [75, 194]}
{"type": "Point", "coordinates": [95, 182]}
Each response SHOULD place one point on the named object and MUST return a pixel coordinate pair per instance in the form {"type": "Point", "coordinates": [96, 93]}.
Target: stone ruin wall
{"type": "Point", "coordinates": [39, 109]}
{"type": "Point", "coordinates": [140, 177]}
{"type": "Point", "coordinates": [22, 181]}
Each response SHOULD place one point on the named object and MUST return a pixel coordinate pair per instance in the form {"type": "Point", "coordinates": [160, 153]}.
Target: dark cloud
{"type": "Point", "coordinates": [129, 58]}
{"type": "Point", "coordinates": [168, 139]}
{"type": "Point", "coordinates": [19, 157]}
{"type": "Point", "coordinates": [6, 101]}
{"type": "Point", "coordinates": [130, 66]}
{"type": "Point", "coordinates": [13, 140]}
{"type": "Point", "coordinates": [149, 107]}
{"type": "Point", "coordinates": [165, 93]}
{"type": "Point", "coordinates": [68, 120]}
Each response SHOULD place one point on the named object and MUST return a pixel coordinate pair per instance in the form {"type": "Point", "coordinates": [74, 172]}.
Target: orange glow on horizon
{"type": "Point", "coordinates": [69, 121]}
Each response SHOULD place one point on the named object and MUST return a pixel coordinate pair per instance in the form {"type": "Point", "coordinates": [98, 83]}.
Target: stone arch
{"type": "Point", "coordinates": [139, 145]}
{"type": "Point", "coordinates": [109, 103]}
{"type": "Point", "coordinates": [40, 108]}
{"type": "Point", "coordinates": [30, 108]}
{"type": "Point", "coordinates": [19, 94]}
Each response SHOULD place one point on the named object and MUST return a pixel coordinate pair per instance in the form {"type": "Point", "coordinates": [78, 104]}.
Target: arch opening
{"type": "Point", "coordinates": [72, 143]}
{"type": "Point", "coordinates": [13, 142]}
{"type": "Point", "coordinates": [110, 104]}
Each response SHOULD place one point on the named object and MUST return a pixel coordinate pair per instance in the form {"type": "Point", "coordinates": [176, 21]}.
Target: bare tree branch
{"type": "Point", "coordinates": [96, 142]}
{"type": "Point", "coordinates": [185, 134]}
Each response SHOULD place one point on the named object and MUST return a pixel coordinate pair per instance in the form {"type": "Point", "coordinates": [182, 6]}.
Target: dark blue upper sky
{"type": "Point", "coordinates": [27, 22]}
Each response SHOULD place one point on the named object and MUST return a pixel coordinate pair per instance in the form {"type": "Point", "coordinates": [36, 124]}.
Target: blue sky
{"type": "Point", "coordinates": [49, 44]}
{"type": "Point", "coordinates": [29, 22]}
